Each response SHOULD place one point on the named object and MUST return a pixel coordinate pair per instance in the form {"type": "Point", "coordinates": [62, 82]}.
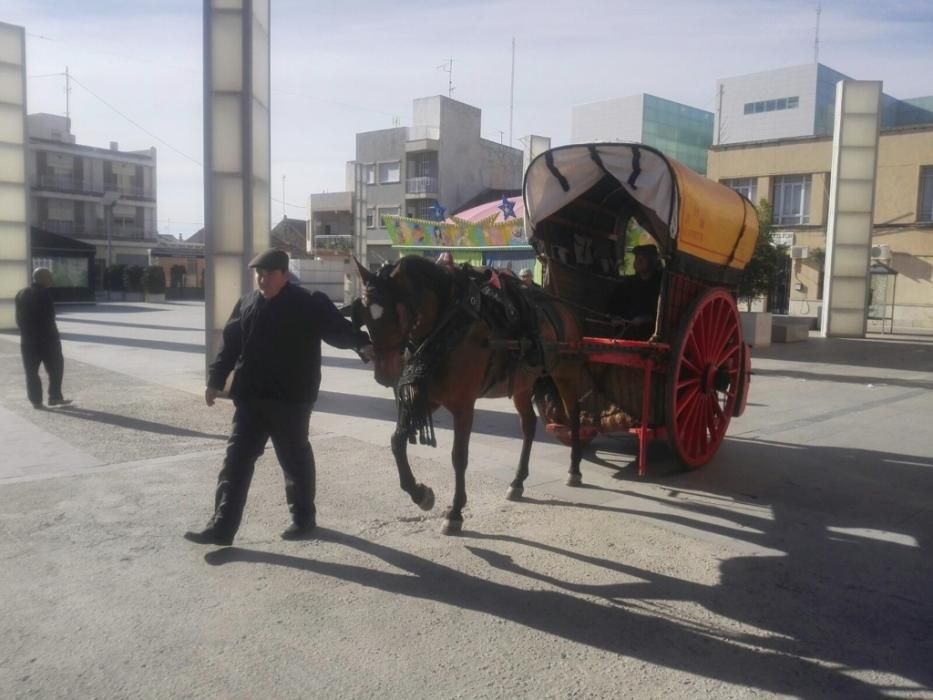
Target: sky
{"type": "Point", "coordinates": [342, 67]}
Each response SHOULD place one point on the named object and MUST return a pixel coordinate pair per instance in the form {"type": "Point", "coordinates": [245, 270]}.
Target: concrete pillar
{"type": "Point", "coordinates": [15, 256]}
{"type": "Point", "coordinates": [851, 208]}
{"type": "Point", "coordinates": [236, 153]}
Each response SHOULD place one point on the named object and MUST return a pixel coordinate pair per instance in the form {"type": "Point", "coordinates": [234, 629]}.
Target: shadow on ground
{"type": "Point", "coordinates": [845, 589]}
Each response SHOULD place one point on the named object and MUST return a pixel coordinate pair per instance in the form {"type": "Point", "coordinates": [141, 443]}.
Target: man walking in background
{"type": "Point", "coordinates": [273, 341]}
{"type": "Point", "coordinates": [39, 340]}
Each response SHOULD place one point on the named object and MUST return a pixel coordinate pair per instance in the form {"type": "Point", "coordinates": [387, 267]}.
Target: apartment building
{"type": "Point", "coordinates": [75, 188]}
{"type": "Point", "coordinates": [794, 175]}
{"type": "Point", "coordinates": [682, 132]}
{"type": "Point", "coordinates": [439, 162]}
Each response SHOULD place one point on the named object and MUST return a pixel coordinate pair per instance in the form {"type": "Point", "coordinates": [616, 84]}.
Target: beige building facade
{"type": "Point", "coordinates": [794, 176]}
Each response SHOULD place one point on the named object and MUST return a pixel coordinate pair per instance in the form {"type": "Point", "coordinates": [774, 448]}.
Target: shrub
{"type": "Point", "coordinates": [133, 278]}
{"type": "Point", "coordinates": [761, 272]}
{"type": "Point", "coordinates": [154, 279]}
{"type": "Point", "coordinates": [115, 278]}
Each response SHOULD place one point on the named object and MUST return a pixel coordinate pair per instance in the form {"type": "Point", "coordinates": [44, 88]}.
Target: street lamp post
{"type": "Point", "coordinates": [110, 198]}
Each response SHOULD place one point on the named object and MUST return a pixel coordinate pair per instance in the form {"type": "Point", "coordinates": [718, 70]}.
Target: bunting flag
{"type": "Point", "coordinates": [404, 231]}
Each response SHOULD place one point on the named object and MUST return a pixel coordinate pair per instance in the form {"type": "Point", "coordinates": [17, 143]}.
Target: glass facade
{"type": "Point", "coordinates": [681, 132]}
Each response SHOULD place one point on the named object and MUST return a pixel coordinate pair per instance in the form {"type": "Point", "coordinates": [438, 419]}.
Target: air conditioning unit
{"type": "Point", "coordinates": [881, 252]}
{"type": "Point", "coordinates": [800, 252]}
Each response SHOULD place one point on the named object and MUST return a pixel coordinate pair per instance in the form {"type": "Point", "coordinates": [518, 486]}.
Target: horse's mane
{"type": "Point", "coordinates": [423, 274]}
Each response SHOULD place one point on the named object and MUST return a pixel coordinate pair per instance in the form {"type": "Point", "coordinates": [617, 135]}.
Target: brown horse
{"type": "Point", "coordinates": [440, 340]}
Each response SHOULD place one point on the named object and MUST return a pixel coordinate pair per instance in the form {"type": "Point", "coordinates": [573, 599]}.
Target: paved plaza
{"type": "Point", "coordinates": [797, 564]}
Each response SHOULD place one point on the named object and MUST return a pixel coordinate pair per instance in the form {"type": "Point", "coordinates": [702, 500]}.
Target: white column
{"type": "Point", "coordinates": [15, 256]}
{"type": "Point", "coordinates": [236, 153]}
{"type": "Point", "coordinates": [851, 208]}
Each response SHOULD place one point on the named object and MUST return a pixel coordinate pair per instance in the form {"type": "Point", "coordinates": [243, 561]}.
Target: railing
{"type": "Point", "coordinates": [128, 231]}
{"type": "Point", "coordinates": [421, 185]}
{"type": "Point", "coordinates": [59, 182]}
{"type": "Point", "coordinates": [129, 190]}
{"type": "Point", "coordinates": [68, 228]}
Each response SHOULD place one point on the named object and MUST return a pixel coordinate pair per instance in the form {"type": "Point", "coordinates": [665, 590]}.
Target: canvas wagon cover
{"type": "Point", "coordinates": [691, 214]}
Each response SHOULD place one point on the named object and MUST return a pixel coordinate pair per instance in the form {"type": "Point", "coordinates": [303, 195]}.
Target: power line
{"type": "Point", "coordinates": [136, 124]}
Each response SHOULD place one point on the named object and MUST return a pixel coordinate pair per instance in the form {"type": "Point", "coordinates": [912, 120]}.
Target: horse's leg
{"type": "Point", "coordinates": [568, 388]}
{"type": "Point", "coordinates": [420, 494]}
{"type": "Point", "coordinates": [463, 425]}
{"type": "Point", "coordinates": [526, 414]}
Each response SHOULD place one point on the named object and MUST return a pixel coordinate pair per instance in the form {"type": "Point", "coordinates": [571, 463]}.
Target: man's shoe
{"type": "Point", "coordinates": [38, 406]}
{"type": "Point", "coordinates": [299, 531]}
{"type": "Point", "coordinates": [210, 535]}
{"type": "Point", "coordinates": [59, 402]}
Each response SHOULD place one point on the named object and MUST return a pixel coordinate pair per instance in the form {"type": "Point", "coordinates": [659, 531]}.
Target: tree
{"type": "Point", "coordinates": [768, 258]}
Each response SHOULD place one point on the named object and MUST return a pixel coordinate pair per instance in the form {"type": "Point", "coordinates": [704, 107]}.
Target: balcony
{"type": "Point", "coordinates": [421, 185]}
{"type": "Point", "coordinates": [65, 228]}
{"type": "Point", "coordinates": [129, 191]}
{"type": "Point", "coordinates": [59, 183]}
{"type": "Point", "coordinates": [127, 232]}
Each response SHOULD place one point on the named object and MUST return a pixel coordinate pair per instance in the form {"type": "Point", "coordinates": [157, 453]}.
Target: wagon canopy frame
{"type": "Point", "coordinates": [699, 225]}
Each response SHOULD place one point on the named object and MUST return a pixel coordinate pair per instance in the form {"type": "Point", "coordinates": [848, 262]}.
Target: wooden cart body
{"type": "Point", "coordinates": [584, 206]}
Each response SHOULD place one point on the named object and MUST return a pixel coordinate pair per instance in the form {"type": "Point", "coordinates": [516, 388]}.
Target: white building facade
{"type": "Point", "coordinates": [72, 186]}
{"type": "Point", "coordinates": [440, 159]}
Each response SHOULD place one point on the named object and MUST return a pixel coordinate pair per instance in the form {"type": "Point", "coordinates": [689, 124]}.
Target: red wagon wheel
{"type": "Point", "coordinates": [703, 384]}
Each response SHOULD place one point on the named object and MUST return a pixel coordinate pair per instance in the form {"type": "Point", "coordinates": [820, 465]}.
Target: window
{"type": "Point", "coordinates": [792, 199]}
{"type": "Point", "coordinates": [772, 105]}
{"type": "Point", "coordinates": [926, 194]}
{"type": "Point", "coordinates": [746, 186]}
{"type": "Point", "coordinates": [61, 210]}
{"type": "Point", "coordinates": [390, 173]}
{"type": "Point", "coordinates": [369, 174]}
{"type": "Point", "coordinates": [370, 218]}
{"type": "Point", "coordinates": [386, 211]}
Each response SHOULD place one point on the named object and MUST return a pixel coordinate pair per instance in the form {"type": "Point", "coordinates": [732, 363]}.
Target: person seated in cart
{"type": "Point", "coordinates": [635, 299]}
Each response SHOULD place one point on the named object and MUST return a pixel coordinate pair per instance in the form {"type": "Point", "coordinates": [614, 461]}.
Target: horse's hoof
{"type": "Point", "coordinates": [427, 500]}
{"type": "Point", "coordinates": [574, 479]}
{"type": "Point", "coordinates": [515, 493]}
{"type": "Point", "coordinates": [452, 527]}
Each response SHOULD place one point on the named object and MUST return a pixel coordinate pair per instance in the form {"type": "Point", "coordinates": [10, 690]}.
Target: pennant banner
{"type": "Point", "coordinates": [475, 234]}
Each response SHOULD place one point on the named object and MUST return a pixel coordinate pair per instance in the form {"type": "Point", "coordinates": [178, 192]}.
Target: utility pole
{"type": "Point", "coordinates": [719, 117]}
{"type": "Point", "coordinates": [512, 93]}
{"type": "Point", "coordinates": [816, 38]}
{"type": "Point", "coordinates": [284, 212]}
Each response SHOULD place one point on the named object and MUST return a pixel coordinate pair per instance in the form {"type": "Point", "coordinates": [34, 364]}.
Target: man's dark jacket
{"type": "Point", "coordinates": [35, 315]}
{"type": "Point", "coordinates": [275, 345]}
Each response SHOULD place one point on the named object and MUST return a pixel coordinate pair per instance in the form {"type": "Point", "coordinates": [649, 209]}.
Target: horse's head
{"type": "Point", "coordinates": [399, 306]}
{"type": "Point", "coordinates": [387, 316]}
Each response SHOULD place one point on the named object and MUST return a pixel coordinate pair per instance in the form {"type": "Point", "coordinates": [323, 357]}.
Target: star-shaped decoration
{"type": "Point", "coordinates": [437, 211]}
{"type": "Point", "coordinates": [508, 208]}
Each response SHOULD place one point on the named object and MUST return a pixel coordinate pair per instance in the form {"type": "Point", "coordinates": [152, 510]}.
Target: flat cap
{"type": "Point", "coordinates": [272, 259]}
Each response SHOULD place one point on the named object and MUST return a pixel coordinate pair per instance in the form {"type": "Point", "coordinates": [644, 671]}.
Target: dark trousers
{"type": "Point", "coordinates": [254, 422]}
{"type": "Point", "coordinates": [42, 352]}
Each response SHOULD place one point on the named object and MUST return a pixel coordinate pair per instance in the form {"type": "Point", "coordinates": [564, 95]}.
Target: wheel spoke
{"type": "Point", "coordinates": [687, 401]}
{"type": "Point", "coordinates": [688, 382]}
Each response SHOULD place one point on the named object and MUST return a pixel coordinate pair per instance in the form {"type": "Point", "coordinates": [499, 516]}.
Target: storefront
{"type": "Point", "coordinates": [70, 262]}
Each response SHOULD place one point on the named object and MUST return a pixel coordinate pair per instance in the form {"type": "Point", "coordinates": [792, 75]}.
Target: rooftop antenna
{"type": "Point", "coordinates": [67, 95]}
{"type": "Point", "coordinates": [816, 38]}
{"type": "Point", "coordinates": [448, 67]}
{"type": "Point", "coordinates": [284, 213]}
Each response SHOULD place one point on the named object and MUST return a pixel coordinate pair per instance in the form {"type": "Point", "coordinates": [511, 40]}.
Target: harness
{"type": "Point", "coordinates": [473, 298]}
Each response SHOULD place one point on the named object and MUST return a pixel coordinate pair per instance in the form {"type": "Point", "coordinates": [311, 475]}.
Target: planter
{"type": "Point", "coordinates": [134, 296]}
{"type": "Point", "coordinates": [156, 298]}
{"type": "Point", "coordinates": [756, 328]}
{"type": "Point", "coordinates": [114, 295]}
